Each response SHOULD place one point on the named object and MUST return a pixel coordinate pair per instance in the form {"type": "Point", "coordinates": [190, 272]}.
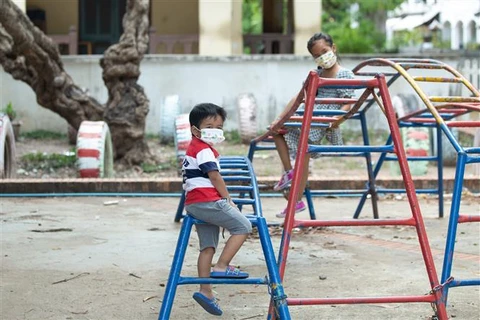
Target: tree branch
{"type": "Point", "coordinates": [32, 57]}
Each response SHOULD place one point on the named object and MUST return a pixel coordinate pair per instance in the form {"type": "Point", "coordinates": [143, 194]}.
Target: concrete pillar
{"type": "Point", "coordinates": [22, 4]}
{"type": "Point", "coordinates": [220, 27]}
{"type": "Point", "coordinates": [307, 17]}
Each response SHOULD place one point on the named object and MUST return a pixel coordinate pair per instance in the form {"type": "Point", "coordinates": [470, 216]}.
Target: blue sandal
{"type": "Point", "coordinates": [230, 272]}
{"type": "Point", "coordinates": [210, 305]}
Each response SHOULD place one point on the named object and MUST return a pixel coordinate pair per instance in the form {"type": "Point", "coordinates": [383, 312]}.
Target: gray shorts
{"type": "Point", "coordinates": [217, 214]}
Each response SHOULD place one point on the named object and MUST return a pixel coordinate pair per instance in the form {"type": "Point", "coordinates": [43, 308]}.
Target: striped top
{"type": "Point", "coordinates": [342, 73]}
{"type": "Point", "coordinates": [199, 160]}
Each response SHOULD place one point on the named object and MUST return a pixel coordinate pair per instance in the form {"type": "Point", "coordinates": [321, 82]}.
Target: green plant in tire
{"type": "Point", "coordinates": [10, 111]}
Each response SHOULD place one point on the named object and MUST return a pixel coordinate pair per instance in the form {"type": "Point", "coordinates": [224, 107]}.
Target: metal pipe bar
{"type": "Point", "coordinates": [360, 300]}
{"type": "Point", "coordinates": [195, 280]}
{"type": "Point", "coordinates": [468, 218]}
{"type": "Point", "coordinates": [346, 223]}
{"type": "Point", "coordinates": [438, 79]}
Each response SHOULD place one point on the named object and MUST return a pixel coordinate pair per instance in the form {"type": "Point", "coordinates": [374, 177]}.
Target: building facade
{"type": "Point", "coordinates": [202, 27]}
{"type": "Point", "coordinates": [445, 24]}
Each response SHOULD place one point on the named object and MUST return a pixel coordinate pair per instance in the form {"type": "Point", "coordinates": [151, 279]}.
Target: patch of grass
{"type": "Point", "coordinates": [39, 160]}
{"type": "Point", "coordinates": [44, 135]}
{"type": "Point", "coordinates": [233, 137]}
{"type": "Point", "coordinates": [157, 167]}
{"type": "Point", "coordinates": [152, 136]}
{"type": "Point", "coordinates": [465, 139]}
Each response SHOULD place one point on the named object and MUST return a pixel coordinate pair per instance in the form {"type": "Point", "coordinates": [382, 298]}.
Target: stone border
{"type": "Point", "coordinates": [174, 185]}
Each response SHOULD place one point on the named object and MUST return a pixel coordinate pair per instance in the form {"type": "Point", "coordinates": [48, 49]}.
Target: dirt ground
{"type": "Point", "coordinates": [112, 261]}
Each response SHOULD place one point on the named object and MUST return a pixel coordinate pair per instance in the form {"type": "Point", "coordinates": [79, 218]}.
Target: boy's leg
{"type": "Point", "coordinates": [282, 149]}
{"type": "Point", "coordinates": [204, 264]}
{"type": "Point", "coordinates": [234, 243]}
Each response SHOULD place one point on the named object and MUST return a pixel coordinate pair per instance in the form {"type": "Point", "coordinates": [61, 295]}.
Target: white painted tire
{"type": "Point", "coordinates": [170, 110]}
{"type": "Point", "coordinates": [94, 150]}
{"type": "Point", "coordinates": [183, 137]}
{"type": "Point", "coordinates": [247, 116]}
{"type": "Point", "coordinates": [7, 148]}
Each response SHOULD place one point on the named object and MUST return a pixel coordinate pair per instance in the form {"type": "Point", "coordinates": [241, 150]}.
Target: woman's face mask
{"type": "Point", "coordinates": [211, 136]}
{"type": "Point", "coordinates": [326, 60]}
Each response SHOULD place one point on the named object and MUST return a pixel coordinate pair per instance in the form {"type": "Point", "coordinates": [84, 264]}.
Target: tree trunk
{"type": "Point", "coordinates": [127, 105]}
{"type": "Point", "coordinates": [32, 57]}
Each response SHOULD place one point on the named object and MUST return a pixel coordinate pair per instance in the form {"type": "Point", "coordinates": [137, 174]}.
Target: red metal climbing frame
{"type": "Point", "coordinates": [308, 96]}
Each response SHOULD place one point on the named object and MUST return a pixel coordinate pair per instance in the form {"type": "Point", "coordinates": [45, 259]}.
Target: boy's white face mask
{"type": "Point", "coordinates": [211, 136]}
{"type": "Point", "coordinates": [326, 60]}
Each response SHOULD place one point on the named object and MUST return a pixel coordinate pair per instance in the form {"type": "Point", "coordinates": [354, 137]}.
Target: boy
{"type": "Point", "coordinates": [207, 199]}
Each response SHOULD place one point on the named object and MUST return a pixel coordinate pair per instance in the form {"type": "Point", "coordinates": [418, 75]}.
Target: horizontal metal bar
{"type": "Point", "coordinates": [345, 223]}
{"type": "Point", "coordinates": [299, 125]}
{"type": "Point", "coordinates": [243, 201]}
{"type": "Point", "coordinates": [453, 99]}
{"type": "Point", "coordinates": [384, 190]}
{"type": "Point", "coordinates": [437, 79]}
{"type": "Point", "coordinates": [382, 149]}
{"type": "Point", "coordinates": [414, 65]}
{"type": "Point", "coordinates": [468, 218]}
{"type": "Point", "coordinates": [324, 112]}
{"type": "Point", "coordinates": [233, 172]}
{"type": "Point", "coordinates": [340, 192]}
{"type": "Point", "coordinates": [335, 100]}
{"type": "Point", "coordinates": [195, 280]}
{"type": "Point", "coordinates": [373, 74]}
{"type": "Point", "coordinates": [359, 300]}
{"type": "Point", "coordinates": [237, 178]}
{"type": "Point", "coordinates": [465, 282]}
{"type": "Point", "coordinates": [239, 188]}
{"type": "Point", "coordinates": [412, 158]}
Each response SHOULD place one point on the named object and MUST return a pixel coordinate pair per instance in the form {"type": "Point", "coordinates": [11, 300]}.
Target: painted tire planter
{"type": "Point", "coordinates": [247, 117]}
{"type": "Point", "coordinates": [183, 136]}
{"type": "Point", "coordinates": [94, 150]}
{"type": "Point", "coordinates": [7, 148]}
{"type": "Point", "coordinates": [168, 114]}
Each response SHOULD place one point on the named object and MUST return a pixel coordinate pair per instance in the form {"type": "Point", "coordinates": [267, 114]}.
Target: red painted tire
{"type": "Point", "coordinates": [7, 148]}
{"type": "Point", "coordinates": [94, 150]}
{"type": "Point", "coordinates": [183, 136]}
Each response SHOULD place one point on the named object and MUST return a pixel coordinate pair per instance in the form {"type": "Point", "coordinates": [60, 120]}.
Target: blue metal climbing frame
{"type": "Point", "coordinates": [241, 181]}
{"type": "Point", "coordinates": [395, 70]}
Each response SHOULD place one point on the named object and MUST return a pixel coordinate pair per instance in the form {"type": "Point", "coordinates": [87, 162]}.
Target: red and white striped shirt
{"type": "Point", "coordinates": [199, 160]}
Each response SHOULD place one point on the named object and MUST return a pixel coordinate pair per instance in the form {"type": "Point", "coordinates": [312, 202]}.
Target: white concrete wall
{"type": "Point", "coordinates": [273, 80]}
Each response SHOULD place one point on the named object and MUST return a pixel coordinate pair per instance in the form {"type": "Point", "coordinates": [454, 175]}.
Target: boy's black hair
{"type": "Point", "coordinates": [205, 110]}
{"type": "Point", "coordinates": [319, 36]}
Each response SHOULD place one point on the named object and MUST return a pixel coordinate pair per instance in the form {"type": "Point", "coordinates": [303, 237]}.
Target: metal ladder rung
{"type": "Point", "coordinates": [373, 74]}
{"type": "Point", "coordinates": [453, 99]}
{"type": "Point", "coordinates": [233, 172]}
{"type": "Point", "coordinates": [414, 65]}
{"type": "Point", "coordinates": [438, 79]}
{"type": "Point", "coordinates": [335, 100]}
{"type": "Point", "coordinates": [196, 280]}
{"type": "Point", "coordinates": [336, 148]}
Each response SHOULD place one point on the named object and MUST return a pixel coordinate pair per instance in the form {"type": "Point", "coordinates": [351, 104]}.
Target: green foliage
{"type": "Point", "coordinates": [472, 46]}
{"type": "Point", "coordinates": [336, 20]}
{"type": "Point", "coordinates": [407, 38]}
{"type": "Point", "coordinates": [350, 40]}
{"type": "Point", "coordinates": [39, 160]}
{"type": "Point", "coordinates": [44, 135]}
{"type": "Point", "coordinates": [252, 17]}
{"type": "Point", "coordinates": [233, 137]}
{"type": "Point", "coordinates": [9, 111]}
